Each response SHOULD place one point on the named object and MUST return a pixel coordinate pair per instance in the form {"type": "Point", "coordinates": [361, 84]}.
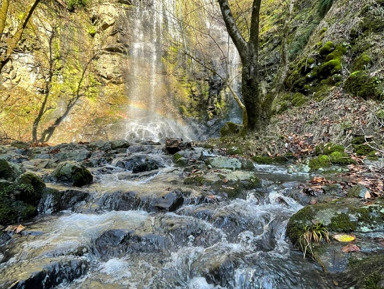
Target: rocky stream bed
{"type": "Point", "coordinates": [121, 215]}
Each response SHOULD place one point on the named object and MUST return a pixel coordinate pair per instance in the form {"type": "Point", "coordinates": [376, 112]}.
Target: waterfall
{"type": "Point", "coordinates": [151, 115]}
{"type": "Point", "coordinates": [154, 25]}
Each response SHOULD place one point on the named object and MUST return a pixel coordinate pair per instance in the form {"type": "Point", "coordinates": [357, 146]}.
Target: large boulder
{"type": "Point", "coordinates": [73, 173]}
{"type": "Point", "coordinates": [346, 216]}
{"type": "Point", "coordinates": [18, 200]}
{"type": "Point", "coordinates": [9, 171]}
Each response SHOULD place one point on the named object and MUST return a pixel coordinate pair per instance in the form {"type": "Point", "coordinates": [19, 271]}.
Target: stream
{"type": "Point", "coordinates": [152, 228]}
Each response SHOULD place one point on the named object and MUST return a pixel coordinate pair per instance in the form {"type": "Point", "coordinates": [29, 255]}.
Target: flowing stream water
{"type": "Point", "coordinates": [151, 229]}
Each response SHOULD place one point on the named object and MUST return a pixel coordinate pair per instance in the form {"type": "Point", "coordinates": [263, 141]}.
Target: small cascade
{"type": "Point", "coordinates": [151, 115]}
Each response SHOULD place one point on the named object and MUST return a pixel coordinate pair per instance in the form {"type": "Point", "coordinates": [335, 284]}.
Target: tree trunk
{"type": "Point", "coordinates": [3, 16]}
{"type": "Point", "coordinates": [249, 53]}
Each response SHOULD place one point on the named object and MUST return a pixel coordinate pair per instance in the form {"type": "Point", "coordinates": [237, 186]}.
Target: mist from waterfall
{"type": "Point", "coordinates": [151, 113]}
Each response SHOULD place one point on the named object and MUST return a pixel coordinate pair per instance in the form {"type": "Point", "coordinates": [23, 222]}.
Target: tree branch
{"type": "Point", "coordinates": [232, 28]}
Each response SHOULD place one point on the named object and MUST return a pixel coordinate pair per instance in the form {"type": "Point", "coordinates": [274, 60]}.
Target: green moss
{"type": "Point", "coordinates": [12, 209]}
{"type": "Point", "coordinates": [196, 180]}
{"type": "Point", "coordinates": [322, 161]}
{"type": "Point", "coordinates": [81, 176]}
{"type": "Point", "coordinates": [361, 84]}
{"type": "Point", "coordinates": [358, 140]}
{"type": "Point", "coordinates": [265, 160]}
{"type": "Point", "coordinates": [321, 92]}
{"type": "Point", "coordinates": [299, 99]}
{"type": "Point", "coordinates": [330, 67]}
{"type": "Point", "coordinates": [298, 222]}
{"type": "Point", "coordinates": [328, 148]}
{"type": "Point", "coordinates": [363, 149]}
{"type": "Point", "coordinates": [362, 62]}
{"type": "Point", "coordinates": [339, 51]}
{"type": "Point", "coordinates": [230, 129]}
{"type": "Point", "coordinates": [176, 157]}
{"type": "Point", "coordinates": [6, 171]}
{"type": "Point", "coordinates": [327, 48]}
{"type": "Point", "coordinates": [235, 150]}
{"type": "Point", "coordinates": [341, 158]}
{"type": "Point", "coordinates": [342, 223]}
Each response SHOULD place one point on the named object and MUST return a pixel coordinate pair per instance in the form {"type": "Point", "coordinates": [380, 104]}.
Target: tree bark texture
{"type": "Point", "coordinates": [249, 53]}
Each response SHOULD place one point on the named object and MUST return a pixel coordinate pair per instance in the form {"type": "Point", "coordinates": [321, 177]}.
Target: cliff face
{"type": "Point", "coordinates": [76, 68]}
{"type": "Point", "coordinates": [79, 68]}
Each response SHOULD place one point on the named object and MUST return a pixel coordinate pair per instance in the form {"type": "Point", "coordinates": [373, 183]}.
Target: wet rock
{"type": "Point", "coordinates": [169, 202]}
{"type": "Point", "coordinates": [117, 243]}
{"type": "Point", "coordinates": [55, 201]}
{"type": "Point", "coordinates": [141, 163]}
{"type": "Point", "coordinates": [54, 274]}
{"type": "Point", "coordinates": [29, 188]}
{"type": "Point", "coordinates": [119, 144]}
{"type": "Point", "coordinates": [222, 162]}
{"type": "Point", "coordinates": [359, 191]}
{"type": "Point", "coordinates": [74, 173]}
{"type": "Point", "coordinates": [154, 202]}
{"type": "Point", "coordinates": [73, 155]}
{"type": "Point", "coordinates": [4, 237]}
{"type": "Point", "coordinates": [174, 145]}
{"type": "Point", "coordinates": [343, 216]}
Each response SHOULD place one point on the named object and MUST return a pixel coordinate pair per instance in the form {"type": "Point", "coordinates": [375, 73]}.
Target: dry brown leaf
{"type": "Point", "coordinates": [351, 248]}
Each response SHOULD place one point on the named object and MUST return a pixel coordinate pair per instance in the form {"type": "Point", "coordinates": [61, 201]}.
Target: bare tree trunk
{"type": "Point", "coordinates": [47, 90]}
{"type": "Point", "coordinates": [48, 132]}
{"type": "Point", "coordinates": [249, 53]}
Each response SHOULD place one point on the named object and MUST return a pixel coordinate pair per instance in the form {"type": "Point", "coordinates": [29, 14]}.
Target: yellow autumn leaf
{"type": "Point", "coordinates": [344, 238]}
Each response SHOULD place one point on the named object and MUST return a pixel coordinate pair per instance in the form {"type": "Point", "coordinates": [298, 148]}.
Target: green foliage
{"type": "Point", "coordinates": [312, 233]}
{"type": "Point", "coordinates": [72, 4]}
{"type": "Point", "coordinates": [324, 7]}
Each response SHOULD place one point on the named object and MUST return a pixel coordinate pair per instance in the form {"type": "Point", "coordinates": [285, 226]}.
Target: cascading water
{"type": "Point", "coordinates": [143, 226]}
{"type": "Point", "coordinates": [151, 115]}
{"type": "Point", "coordinates": [156, 24]}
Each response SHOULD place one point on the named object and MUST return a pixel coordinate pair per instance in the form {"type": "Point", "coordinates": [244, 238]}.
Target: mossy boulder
{"type": "Point", "coordinates": [361, 84]}
{"type": "Point", "coordinates": [74, 173]}
{"type": "Point", "coordinates": [330, 67]}
{"type": "Point", "coordinates": [29, 189]}
{"type": "Point", "coordinates": [18, 200]}
{"type": "Point", "coordinates": [9, 171]}
{"type": "Point", "coordinates": [345, 215]}
{"type": "Point", "coordinates": [231, 129]}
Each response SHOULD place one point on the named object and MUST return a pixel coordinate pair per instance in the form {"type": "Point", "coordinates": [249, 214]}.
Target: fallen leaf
{"type": "Point", "coordinates": [367, 195]}
{"type": "Point", "coordinates": [15, 229]}
{"type": "Point", "coordinates": [351, 248]}
{"type": "Point", "coordinates": [344, 237]}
